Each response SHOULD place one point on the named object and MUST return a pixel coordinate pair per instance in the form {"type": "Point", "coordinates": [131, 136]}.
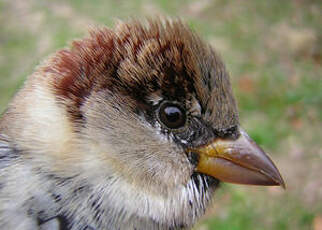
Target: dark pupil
{"type": "Point", "coordinates": [172, 116]}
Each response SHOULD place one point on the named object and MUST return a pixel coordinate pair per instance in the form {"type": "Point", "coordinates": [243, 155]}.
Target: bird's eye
{"type": "Point", "coordinates": [172, 115]}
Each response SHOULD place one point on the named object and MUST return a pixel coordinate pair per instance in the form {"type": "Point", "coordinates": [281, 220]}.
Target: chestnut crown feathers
{"type": "Point", "coordinates": [140, 59]}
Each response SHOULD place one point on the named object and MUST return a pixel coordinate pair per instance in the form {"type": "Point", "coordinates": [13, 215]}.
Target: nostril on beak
{"type": "Point", "coordinates": [229, 133]}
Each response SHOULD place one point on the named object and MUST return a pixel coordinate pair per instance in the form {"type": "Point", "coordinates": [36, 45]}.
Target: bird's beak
{"type": "Point", "coordinates": [239, 161]}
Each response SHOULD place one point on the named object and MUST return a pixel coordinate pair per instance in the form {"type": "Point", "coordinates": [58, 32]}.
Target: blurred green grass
{"type": "Point", "coordinates": [272, 50]}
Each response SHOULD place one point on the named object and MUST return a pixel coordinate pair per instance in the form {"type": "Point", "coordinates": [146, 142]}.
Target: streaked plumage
{"type": "Point", "coordinates": [84, 144]}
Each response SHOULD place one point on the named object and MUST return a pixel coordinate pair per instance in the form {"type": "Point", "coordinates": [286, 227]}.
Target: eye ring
{"type": "Point", "coordinates": [172, 115]}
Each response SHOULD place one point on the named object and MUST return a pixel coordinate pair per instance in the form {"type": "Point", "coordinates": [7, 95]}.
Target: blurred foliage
{"type": "Point", "coordinates": [273, 50]}
{"type": "Point", "coordinates": [240, 212]}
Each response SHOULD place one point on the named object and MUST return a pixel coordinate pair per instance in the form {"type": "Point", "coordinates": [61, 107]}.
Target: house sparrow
{"type": "Point", "coordinates": [131, 128]}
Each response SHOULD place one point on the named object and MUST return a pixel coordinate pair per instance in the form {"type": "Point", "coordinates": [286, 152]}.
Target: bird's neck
{"type": "Point", "coordinates": [116, 204]}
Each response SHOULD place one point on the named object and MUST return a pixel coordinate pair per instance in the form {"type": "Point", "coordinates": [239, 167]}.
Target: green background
{"type": "Point", "coordinates": [272, 50]}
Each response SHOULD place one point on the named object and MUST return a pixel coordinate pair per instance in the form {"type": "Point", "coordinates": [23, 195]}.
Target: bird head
{"type": "Point", "coordinates": [150, 105]}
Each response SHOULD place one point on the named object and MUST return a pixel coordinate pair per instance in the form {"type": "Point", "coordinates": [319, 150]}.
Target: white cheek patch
{"type": "Point", "coordinates": [45, 128]}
